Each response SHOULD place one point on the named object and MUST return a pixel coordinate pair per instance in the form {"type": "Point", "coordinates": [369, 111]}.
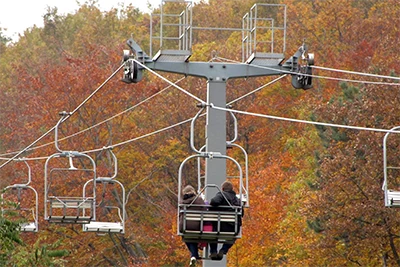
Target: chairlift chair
{"type": "Point", "coordinates": [118, 210]}
{"type": "Point", "coordinates": [217, 217]}
{"type": "Point", "coordinates": [24, 207]}
{"type": "Point", "coordinates": [29, 212]}
{"type": "Point", "coordinates": [392, 195]}
{"type": "Point", "coordinates": [69, 205]}
{"type": "Point", "coordinates": [105, 226]}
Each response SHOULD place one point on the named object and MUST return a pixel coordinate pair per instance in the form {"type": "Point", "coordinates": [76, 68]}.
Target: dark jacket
{"type": "Point", "coordinates": [220, 200]}
{"type": "Point", "coordinates": [188, 199]}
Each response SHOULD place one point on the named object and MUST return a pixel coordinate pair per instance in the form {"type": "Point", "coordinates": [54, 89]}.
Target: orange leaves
{"type": "Point", "coordinates": [315, 195]}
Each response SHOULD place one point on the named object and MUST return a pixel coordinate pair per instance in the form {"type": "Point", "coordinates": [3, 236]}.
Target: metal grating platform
{"type": "Point", "coordinates": [265, 59]}
{"type": "Point", "coordinates": [172, 56]}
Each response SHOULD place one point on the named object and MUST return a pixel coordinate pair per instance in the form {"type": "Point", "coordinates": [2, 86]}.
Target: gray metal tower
{"type": "Point", "coordinates": [263, 45]}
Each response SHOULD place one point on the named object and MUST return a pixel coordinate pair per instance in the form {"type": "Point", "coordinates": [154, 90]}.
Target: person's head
{"type": "Point", "coordinates": [188, 190]}
{"type": "Point", "coordinates": [227, 186]}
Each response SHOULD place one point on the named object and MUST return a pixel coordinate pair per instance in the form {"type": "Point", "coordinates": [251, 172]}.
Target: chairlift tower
{"type": "Point", "coordinates": [263, 45]}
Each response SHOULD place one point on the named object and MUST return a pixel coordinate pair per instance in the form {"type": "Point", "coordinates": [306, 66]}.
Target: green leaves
{"type": "Point", "coordinates": [9, 239]}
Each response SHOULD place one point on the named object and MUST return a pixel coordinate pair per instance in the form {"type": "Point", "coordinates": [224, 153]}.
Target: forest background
{"type": "Point", "coordinates": [316, 197]}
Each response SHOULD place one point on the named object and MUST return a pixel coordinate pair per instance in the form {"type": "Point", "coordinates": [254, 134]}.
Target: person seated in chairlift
{"type": "Point", "coordinates": [188, 195]}
{"type": "Point", "coordinates": [220, 199]}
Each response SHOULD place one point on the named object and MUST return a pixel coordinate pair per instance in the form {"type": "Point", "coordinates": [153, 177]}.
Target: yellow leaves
{"type": "Point", "coordinates": [286, 190]}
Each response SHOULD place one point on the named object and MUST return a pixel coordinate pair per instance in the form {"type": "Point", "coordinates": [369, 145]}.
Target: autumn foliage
{"type": "Point", "coordinates": [315, 190]}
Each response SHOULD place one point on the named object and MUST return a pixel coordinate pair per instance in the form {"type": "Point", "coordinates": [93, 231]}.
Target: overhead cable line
{"type": "Point", "coordinates": [357, 73]}
{"type": "Point", "coordinates": [237, 111]}
{"type": "Point", "coordinates": [27, 159]}
{"type": "Point", "coordinates": [140, 137]}
{"type": "Point", "coordinates": [124, 142]}
{"type": "Point", "coordinates": [66, 118]}
{"type": "Point", "coordinates": [245, 113]}
{"type": "Point", "coordinates": [165, 79]}
{"type": "Point", "coordinates": [122, 112]}
{"type": "Point", "coordinates": [351, 80]}
{"type": "Point", "coordinates": [257, 89]}
{"type": "Point", "coordinates": [168, 81]}
{"type": "Point", "coordinates": [155, 132]}
{"type": "Point", "coordinates": [98, 124]}
{"type": "Point", "coordinates": [229, 60]}
{"type": "Point", "coordinates": [303, 121]}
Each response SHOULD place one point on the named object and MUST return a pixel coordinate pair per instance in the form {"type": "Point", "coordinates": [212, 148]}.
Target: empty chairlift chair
{"type": "Point", "coordinates": [110, 206]}
{"type": "Point", "coordinates": [20, 202]}
{"type": "Point", "coordinates": [391, 167]}
{"type": "Point", "coordinates": [65, 198]}
{"type": "Point", "coordinates": [68, 198]}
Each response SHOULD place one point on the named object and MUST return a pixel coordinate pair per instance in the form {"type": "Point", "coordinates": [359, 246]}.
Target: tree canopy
{"type": "Point", "coordinates": [316, 197]}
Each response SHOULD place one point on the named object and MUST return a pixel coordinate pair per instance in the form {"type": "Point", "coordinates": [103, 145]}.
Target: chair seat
{"type": "Point", "coordinates": [70, 219]}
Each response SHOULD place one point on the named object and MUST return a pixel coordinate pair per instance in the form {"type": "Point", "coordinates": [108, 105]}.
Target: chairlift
{"type": "Point", "coordinates": [116, 211]}
{"type": "Point", "coordinates": [24, 207]}
{"type": "Point", "coordinates": [65, 204]}
{"type": "Point", "coordinates": [231, 215]}
{"type": "Point", "coordinates": [391, 186]}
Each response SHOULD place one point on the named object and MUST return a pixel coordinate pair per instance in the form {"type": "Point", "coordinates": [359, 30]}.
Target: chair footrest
{"type": "Point", "coordinates": [209, 233]}
{"type": "Point", "coordinates": [394, 198]}
{"type": "Point", "coordinates": [103, 227]}
{"type": "Point", "coordinates": [28, 227]}
{"type": "Point", "coordinates": [209, 239]}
